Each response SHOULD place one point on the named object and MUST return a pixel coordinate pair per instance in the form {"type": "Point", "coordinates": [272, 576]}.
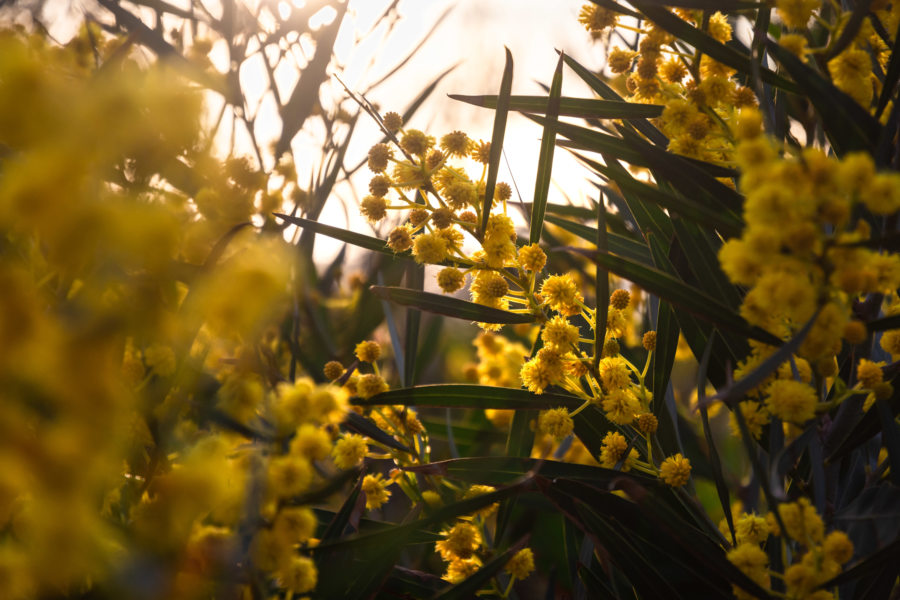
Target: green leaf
{"type": "Point", "coordinates": [500, 470]}
{"type": "Point", "coordinates": [545, 158]}
{"type": "Point", "coordinates": [618, 244]}
{"type": "Point", "coordinates": [351, 237]}
{"type": "Point", "coordinates": [701, 255]}
{"type": "Point", "coordinates": [849, 126]}
{"type": "Point", "coordinates": [725, 222]}
{"type": "Point", "coordinates": [500, 115]}
{"type": "Point", "coordinates": [415, 279]}
{"type": "Point", "coordinates": [464, 395]}
{"type": "Point", "coordinates": [604, 91]}
{"type": "Point", "coordinates": [687, 297]}
{"type": "Point", "coordinates": [702, 41]}
{"type": "Point", "coordinates": [733, 393]}
{"type": "Point", "coordinates": [359, 424]}
{"type": "Point", "coordinates": [449, 306]}
{"type": "Point", "coordinates": [884, 323]}
{"type": "Point", "coordinates": [587, 108]}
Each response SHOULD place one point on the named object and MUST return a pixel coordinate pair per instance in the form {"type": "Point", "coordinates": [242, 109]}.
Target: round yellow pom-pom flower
{"type": "Point", "coordinates": [369, 385]}
{"type": "Point", "coordinates": [299, 575]}
{"type": "Point", "coordinates": [869, 373]}
{"type": "Point", "coordinates": [392, 121]}
{"type": "Point", "coordinates": [456, 143]}
{"type": "Point", "coordinates": [400, 239]}
{"type": "Point", "coordinates": [332, 370]}
{"type": "Point", "coordinates": [375, 488]}
{"type": "Point", "coordinates": [556, 422]}
{"type": "Point", "coordinates": [378, 157]}
{"type": "Point", "coordinates": [561, 293]}
{"type": "Point", "coordinates": [620, 406]}
{"type": "Point", "coordinates": [648, 341]}
{"type": "Point", "coordinates": [620, 299]}
{"type": "Point", "coordinates": [675, 470]}
{"type": "Point", "coordinates": [791, 401]}
{"type": "Point", "coordinates": [532, 258]}
{"type": "Point", "coordinates": [521, 564]}
{"type": "Point", "coordinates": [373, 208]}
{"type": "Point", "coordinates": [450, 279]}
{"type": "Point", "coordinates": [614, 373]}
{"type": "Point", "coordinates": [559, 332]}
{"type": "Point", "coordinates": [368, 351]}
{"type": "Point", "coordinates": [838, 547]}
{"type": "Point", "coordinates": [612, 449]}
{"type": "Point", "coordinates": [429, 248]}
{"type": "Point", "coordinates": [349, 451]}
{"type": "Point", "coordinates": [460, 541]}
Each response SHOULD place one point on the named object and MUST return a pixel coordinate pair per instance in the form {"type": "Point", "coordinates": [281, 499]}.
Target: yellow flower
{"type": "Point", "coordinates": [349, 451]}
{"type": "Point", "coordinates": [460, 541]}
{"type": "Point", "coordinates": [532, 258]}
{"type": "Point", "coordinates": [647, 423]}
{"type": "Point", "coordinates": [755, 415]}
{"type": "Point", "coordinates": [802, 522]}
{"type": "Point", "coordinates": [450, 279]}
{"type": "Point", "coordinates": [521, 564]}
{"type": "Point", "coordinates": [612, 448]}
{"type": "Point", "coordinates": [890, 343]}
{"type": "Point", "coordinates": [543, 370]}
{"type": "Point", "coordinates": [459, 569]}
{"type": "Point", "coordinates": [392, 121]}
{"type": "Point", "coordinates": [614, 373]}
{"type": "Point", "coordinates": [378, 157]}
{"type": "Point", "coordinates": [311, 441]}
{"type": "Point", "coordinates": [791, 401]}
{"type": "Point", "coordinates": [561, 293]}
{"type": "Point", "coordinates": [675, 470]}
{"type": "Point", "coordinates": [555, 422]}
{"type": "Point", "coordinates": [368, 351]}
{"type": "Point", "coordinates": [299, 575]}
{"type": "Point", "coordinates": [332, 370]}
{"type": "Point", "coordinates": [294, 524]}
{"type": "Point", "coordinates": [620, 60]}
{"type": "Point", "coordinates": [481, 152]}
{"type": "Point", "coordinates": [373, 208]}
{"type": "Point", "coordinates": [289, 475]}
{"type": "Point", "coordinates": [719, 28]}
{"type": "Point", "coordinates": [456, 143]}
{"type": "Point", "coordinates": [375, 488]}
{"type": "Point", "coordinates": [620, 299]}
{"type": "Point", "coordinates": [838, 547]}
{"type": "Point", "coordinates": [429, 248]}
{"type": "Point", "coordinates": [796, 13]}
{"type": "Point", "coordinates": [596, 19]}
{"type": "Point", "coordinates": [416, 142]}
{"type": "Point", "coordinates": [620, 406]}
{"type": "Point", "coordinates": [369, 385]}
{"type": "Point", "coordinates": [400, 239]}
{"type": "Point", "coordinates": [869, 373]}
{"type": "Point", "coordinates": [751, 529]}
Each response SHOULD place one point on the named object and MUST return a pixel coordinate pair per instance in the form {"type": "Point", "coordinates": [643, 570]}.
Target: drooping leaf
{"type": "Point", "coordinates": [448, 306]}
{"type": "Point", "coordinates": [618, 244]}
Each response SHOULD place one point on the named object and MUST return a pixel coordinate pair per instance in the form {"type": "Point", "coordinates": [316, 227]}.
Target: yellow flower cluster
{"type": "Point", "coordinates": [818, 557]}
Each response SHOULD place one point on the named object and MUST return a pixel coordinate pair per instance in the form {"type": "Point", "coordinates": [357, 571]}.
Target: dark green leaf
{"type": "Point", "coordinates": [500, 115]}
{"type": "Point", "coordinates": [618, 244]}
{"type": "Point", "coordinates": [687, 297]}
{"type": "Point", "coordinates": [587, 108]}
{"type": "Point", "coordinates": [359, 424]}
{"type": "Point", "coordinates": [462, 395]}
{"type": "Point", "coordinates": [849, 126]}
{"type": "Point", "coordinates": [351, 237]}
{"type": "Point", "coordinates": [702, 41]}
{"type": "Point", "coordinates": [449, 306]}
{"type": "Point", "coordinates": [545, 158]}
{"type": "Point", "coordinates": [884, 323]}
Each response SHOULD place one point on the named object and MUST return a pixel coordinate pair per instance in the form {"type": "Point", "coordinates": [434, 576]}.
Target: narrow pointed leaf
{"type": "Point", "coordinates": [359, 424]}
{"type": "Point", "coordinates": [680, 294]}
{"type": "Point", "coordinates": [604, 91]}
{"type": "Point", "coordinates": [545, 158]}
{"type": "Point", "coordinates": [351, 237]}
{"type": "Point", "coordinates": [500, 470]}
{"type": "Point", "coordinates": [500, 115]}
{"type": "Point", "coordinates": [849, 126]}
{"type": "Point", "coordinates": [587, 108]}
{"type": "Point", "coordinates": [461, 395]}
{"type": "Point", "coordinates": [448, 306]}
{"type": "Point", "coordinates": [704, 42]}
{"type": "Point", "coordinates": [618, 244]}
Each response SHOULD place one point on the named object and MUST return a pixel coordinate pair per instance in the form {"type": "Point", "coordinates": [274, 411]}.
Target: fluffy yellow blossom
{"type": "Point", "coordinates": [374, 208]}
{"type": "Point", "coordinates": [555, 422]}
{"type": "Point", "coordinates": [369, 385]}
{"type": "Point", "coordinates": [838, 547]}
{"type": "Point", "coordinates": [378, 157]}
{"type": "Point", "coordinates": [752, 561]}
{"type": "Point", "coordinates": [597, 19]}
{"type": "Point", "coordinates": [648, 341]}
{"type": "Point", "coordinates": [675, 470]}
{"type": "Point", "coordinates": [349, 451]}
{"type": "Point", "coordinates": [614, 373]}
{"type": "Point", "coordinates": [332, 370]}
{"type": "Point", "coordinates": [796, 13]}
{"type": "Point", "coordinates": [868, 373]}
{"type": "Point", "coordinates": [400, 239]}
{"type": "Point", "coordinates": [802, 522]}
{"type": "Point", "coordinates": [392, 121]}
{"type": "Point", "coordinates": [791, 401]}
{"type": "Point", "coordinates": [751, 529]}
{"type": "Point", "coordinates": [299, 575]}
{"type": "Point", "coordinates": [612, 449]}
{"type": "Point", "coordinates": [620, 406]}
{"type": "Point", "coordinates": [561, 293]}
{"type": "Point", "coordinates": [532, 258]}
{"type": "Point", "coordinates": [450, 279]}
{"type": "Point", "coordinates": [430, 248]}
{"type": "Point", "coordinates": [647, 423]}
{"type": "Point", "coordinates": [289, 475]}
{"type": "Point", "coordinates": [368, 351]}
{"type": "Point", "coordinates": [543, 370]}
{"type": "Point", "coordinates": [460, 542]}
{"type": "Point", "coordinates": [755, 415]}
{"type": "Point", "coordinates": [521, 564]}
{"type": "Point", "coordinates": [559, 333]}
{"type": "Point", "coordinates": [375, 488]}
